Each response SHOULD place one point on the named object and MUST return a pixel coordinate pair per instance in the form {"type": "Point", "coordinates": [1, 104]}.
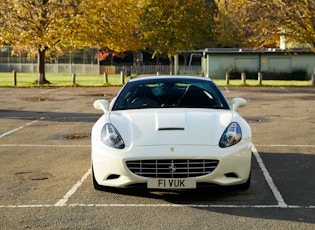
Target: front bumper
{"type": "Point", "coordinates": [110, 168]}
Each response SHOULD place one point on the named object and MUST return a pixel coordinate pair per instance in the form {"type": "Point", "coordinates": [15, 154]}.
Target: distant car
{"type": "Point", "coordinates": [170, 132]}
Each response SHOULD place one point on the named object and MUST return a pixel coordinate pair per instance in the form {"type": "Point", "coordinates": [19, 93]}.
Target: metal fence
{"type": "Point", "coordinates": [81, 61]}
{"type": "Point", "coordinates": [99, 69]}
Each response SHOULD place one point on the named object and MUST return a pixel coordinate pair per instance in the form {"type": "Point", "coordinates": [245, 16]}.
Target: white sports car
{"type": "Point", "coordinates": [170, 132]}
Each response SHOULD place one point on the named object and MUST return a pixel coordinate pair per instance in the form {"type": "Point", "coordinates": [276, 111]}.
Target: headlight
{"type": "Point", "coordinates": [111, 137]}
{"type": "Point", "coordinates": [231, 136]}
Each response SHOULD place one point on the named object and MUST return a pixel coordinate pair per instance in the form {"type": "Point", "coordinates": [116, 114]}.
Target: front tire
{"type": "Point", "coordinates": [96, 185]}
{"type": "Point", "coordinates": [246, 185]}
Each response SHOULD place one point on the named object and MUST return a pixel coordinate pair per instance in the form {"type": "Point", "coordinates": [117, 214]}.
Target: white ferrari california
{"type": "Point", "coordinates": [170, 132]}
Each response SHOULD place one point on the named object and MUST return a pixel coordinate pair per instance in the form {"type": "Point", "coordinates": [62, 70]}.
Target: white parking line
{"type": "Point", "coordinates": [63, 202]}
{"type": "Point", "coordinates": [159, 205]}
{"type": "Point", "coordinates": [55, 118]}
{"type": "Point", "coordinates": [75, 146]}
{"type": "Point", "coordinates": [281, 145]}
{"type": "Point", "coordinates": [21, 127]}
{"type": "Point", "coordinates": [269, 180]}
{"type": "Point", "coordinates": [55, 146]}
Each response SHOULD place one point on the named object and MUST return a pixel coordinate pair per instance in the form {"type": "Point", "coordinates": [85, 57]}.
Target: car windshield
{"type": "Point", "coordinates": [170, 93]}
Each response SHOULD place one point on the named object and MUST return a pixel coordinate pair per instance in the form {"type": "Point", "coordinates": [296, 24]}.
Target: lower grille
{"type": "Point", "coordinates": [172, 168]}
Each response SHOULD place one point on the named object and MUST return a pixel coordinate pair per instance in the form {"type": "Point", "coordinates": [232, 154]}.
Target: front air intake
{"type": "Point", "coordinates": [179, 168]}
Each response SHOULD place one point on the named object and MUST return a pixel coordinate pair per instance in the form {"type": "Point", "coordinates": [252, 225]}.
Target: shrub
{"type": "Point", "coordinates": [299, 74]}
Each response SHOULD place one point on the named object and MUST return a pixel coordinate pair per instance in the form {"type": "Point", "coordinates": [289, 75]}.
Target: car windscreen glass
{"type": "Point", "coordinates": [170, 93]}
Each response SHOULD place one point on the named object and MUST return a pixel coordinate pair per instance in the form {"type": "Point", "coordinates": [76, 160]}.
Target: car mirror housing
{"type": "Point", "coordinates": [101, 104]}
{"type": "Point", "coordinates": [238, 102]}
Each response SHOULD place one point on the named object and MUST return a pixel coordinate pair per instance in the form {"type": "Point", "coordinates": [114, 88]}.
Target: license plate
{"type": "Point", "coordinates": [171, 183]}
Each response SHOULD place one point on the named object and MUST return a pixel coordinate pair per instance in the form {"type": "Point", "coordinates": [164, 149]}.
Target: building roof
{"type": "Point", "coordinates": [255, 51]}
{"type": "Point", "coordinates": [250, 51]}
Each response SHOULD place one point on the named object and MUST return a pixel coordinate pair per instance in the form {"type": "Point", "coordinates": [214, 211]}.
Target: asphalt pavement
{"type": "Point", "coordinates": [45, 167]}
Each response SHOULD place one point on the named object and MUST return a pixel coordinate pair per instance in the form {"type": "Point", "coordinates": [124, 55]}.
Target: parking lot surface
{"type": "Point", "coordinates": [45, 167]}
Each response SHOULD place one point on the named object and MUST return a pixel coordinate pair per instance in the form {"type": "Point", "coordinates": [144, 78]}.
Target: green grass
{"type": "Point", "coordinates": [92, 80]}
{"type": "Point", "coordinates": [272, 83]}
{"type": "Point", "coordinates": [60, 80]}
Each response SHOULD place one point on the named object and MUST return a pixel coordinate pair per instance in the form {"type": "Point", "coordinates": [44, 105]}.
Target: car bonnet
{"type": "Point", "coordinates": [176, 126]}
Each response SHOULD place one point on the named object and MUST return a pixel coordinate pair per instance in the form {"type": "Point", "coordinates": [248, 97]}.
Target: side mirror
{"type": "Point", "coordinates": [238, 102]}
{"type": "Point", "coordinates": [101, 104]}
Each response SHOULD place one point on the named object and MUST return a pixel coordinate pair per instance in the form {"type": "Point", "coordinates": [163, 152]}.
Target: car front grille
{"type": "Point", "coordinates": [172, 168]}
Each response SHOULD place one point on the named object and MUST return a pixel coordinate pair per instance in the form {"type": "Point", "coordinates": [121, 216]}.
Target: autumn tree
{"type": "Point", "coordinates": [262, 22]}
{"type": "Point", "coordinates": [39, 25]}
{"type": "Point", "coordinates": [297, 21]}
{"type": "Point", "coordinates": [225, 31]}
{"type": "Point", "coordinates": [111, 25]}
{"type": "Point", "coordinates": [175, 25]}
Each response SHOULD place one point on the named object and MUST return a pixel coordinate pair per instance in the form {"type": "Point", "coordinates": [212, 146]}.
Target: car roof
{"type": "Point", "coordinates": [161, 77]}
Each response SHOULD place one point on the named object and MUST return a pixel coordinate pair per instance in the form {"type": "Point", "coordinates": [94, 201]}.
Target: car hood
{"type": "Point", "coordinates": [171, 126]}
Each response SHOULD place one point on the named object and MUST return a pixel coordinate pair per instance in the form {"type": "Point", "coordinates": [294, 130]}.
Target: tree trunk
{"type": "Point", "coordinates": [171, 64]}
{"type": "Point", "coordinates": [41, 79]}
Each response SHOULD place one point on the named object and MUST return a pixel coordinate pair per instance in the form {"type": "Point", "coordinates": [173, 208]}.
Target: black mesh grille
{"type": "Point", "coordinates": [172, 168]}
